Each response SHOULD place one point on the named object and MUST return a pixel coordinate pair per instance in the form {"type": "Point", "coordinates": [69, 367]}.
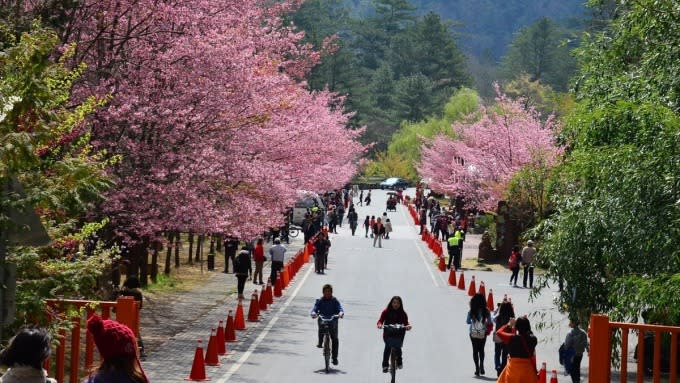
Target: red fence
{"type": "Point", "coordinates": [126, 311]}
{"type": "Point", "coordinates": [601, 332]}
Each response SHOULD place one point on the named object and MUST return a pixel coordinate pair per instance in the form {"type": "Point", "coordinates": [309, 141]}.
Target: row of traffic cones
{"type": "Point", "coordinates": [217, 343]}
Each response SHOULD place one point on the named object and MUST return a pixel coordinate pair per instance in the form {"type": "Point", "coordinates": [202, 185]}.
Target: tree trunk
{"type": "Point", "coordinates": [154, 261]}
{"type": "Point", "coordinates": [191, 248]}
{"type": "Point", "coordinates": [218, 239]}
{"type": "Point", "coordinates": [144, 263]}
{"type": "Point", "coordinates": [212, 245]}
{"type": "Point", "coordinates": [168, 254]}
{"type": "Point", "coordinates": [199, 245]}
{"type": "Point", "coordinates": [177, 239]}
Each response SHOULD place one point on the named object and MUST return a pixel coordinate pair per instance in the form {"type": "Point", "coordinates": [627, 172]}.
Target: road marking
{"type": "Point", "coordinates": [428, 265]}
{"type": "Point", "coordinates": [264, 332]}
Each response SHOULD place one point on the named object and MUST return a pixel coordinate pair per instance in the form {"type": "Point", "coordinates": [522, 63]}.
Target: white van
{"type": "Point", "coordinates": [306, 200]}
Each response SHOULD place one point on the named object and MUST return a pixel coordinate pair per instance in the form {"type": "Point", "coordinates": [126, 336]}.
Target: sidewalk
{"type": "Point", "coordinates": [191, 315]}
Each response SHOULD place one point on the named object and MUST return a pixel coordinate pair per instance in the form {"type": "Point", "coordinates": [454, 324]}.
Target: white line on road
{"type": "Point", "coordinates": [264, 332]}
{"type": "Point", "coordinates": [428, 266]}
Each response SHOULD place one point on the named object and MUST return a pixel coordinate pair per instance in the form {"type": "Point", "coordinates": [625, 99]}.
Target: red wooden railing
{"type": "Point", "coordinates": [126, 311]}
{"type": "Point", "coordinates": [601, 331]}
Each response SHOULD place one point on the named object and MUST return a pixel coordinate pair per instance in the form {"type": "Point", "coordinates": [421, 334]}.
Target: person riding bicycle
{"type": "Point", "coordinates": [327, 306]}
{"type": "Point", "coordinates": [393, 314]}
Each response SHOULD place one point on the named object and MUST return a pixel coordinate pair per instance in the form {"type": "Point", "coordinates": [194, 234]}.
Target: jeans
{"type": "Point", "coordinates": [500, 356]}
{"type": "Point", "coordinates": [528, 272]}
{"type": "Point", "coordinates": [576, 368]}
{"type": "Point", "coordinates": [276, 266]}
{"type": "Point", "coordinates": [334, 337]}
{"type": "Point", "coordinates": [241, 283]}
{"type": "Point", "coordinates": [478, 352]}
{"type": "Point", "coordinates": [377, 238]}
{"type": "Point", "coordinates": [257, 275]}
{"type": "Point", "coordinates": [319, 262]}
{"type": "Point", "coordinates": [515, 274]}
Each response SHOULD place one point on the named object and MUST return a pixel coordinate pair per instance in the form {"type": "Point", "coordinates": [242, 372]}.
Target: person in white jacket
{"type": "Point", "coordinates": [25, 355]}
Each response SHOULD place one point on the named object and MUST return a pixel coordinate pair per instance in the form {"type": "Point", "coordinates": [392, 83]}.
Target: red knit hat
{"type": "Point", "coordinates": [112, 338]}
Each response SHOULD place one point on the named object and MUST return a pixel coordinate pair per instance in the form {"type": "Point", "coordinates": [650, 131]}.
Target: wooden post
{"type": "Point", "coordinates": [600, 349]}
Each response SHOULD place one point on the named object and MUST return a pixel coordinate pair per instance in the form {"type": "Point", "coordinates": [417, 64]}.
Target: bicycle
{"type": "Point", "coordinates": [395, 343]}
{"type": "Point", "coordinates": [325, 328]}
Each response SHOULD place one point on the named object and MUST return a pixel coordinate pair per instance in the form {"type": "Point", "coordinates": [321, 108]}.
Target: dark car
{"type": "Point", "coordinates": [394, 183]}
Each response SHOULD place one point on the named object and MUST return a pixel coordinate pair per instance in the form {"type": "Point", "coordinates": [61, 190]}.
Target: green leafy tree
{"type": "Point", "coordinates": [44, 143]}
{"type": "Point", "coordinates": [615, 233]}
{"type": "Point", "coordinates": [540, 51]}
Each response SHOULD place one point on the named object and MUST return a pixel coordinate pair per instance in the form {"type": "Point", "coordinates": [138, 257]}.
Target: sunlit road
{"type": "Point", "coordinates": [364, 278]}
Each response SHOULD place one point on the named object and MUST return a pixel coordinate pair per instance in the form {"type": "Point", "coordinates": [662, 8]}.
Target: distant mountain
{"type": "Point", "coordinates": [486, 27]}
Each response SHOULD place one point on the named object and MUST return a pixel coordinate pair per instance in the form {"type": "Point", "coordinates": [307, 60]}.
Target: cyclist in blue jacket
{"type": "Point", "coordinates": [327, 306]}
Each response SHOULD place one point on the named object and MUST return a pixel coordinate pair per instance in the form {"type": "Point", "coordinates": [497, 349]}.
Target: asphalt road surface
{"type": "Point", "coordinates": [364, 279]}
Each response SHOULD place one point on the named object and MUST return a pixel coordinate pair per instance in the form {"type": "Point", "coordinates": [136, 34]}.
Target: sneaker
{"type": "Point", "coordinates": [318, 345]}
{"type": "Point", "coordinates": [385, 369]}
{"type": "Point", "coordinates": [400, 365]}
{"type": "Point", "coordinates": [335, 361]}
{"type": "Point", "coordinates": [481, 370]}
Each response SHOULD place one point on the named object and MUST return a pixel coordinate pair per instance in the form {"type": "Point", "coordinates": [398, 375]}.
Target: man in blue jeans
{"type": "Point", "coordinates": [327, 306]}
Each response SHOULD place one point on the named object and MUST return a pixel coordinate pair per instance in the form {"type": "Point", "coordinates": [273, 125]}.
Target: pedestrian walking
{"type": "Point", "coordinates": [513, 265]}
{"type": "Point", "coordinates": [479, 320]}
{"type": "Point", "coordinates": [277, 254]}
{"type": "Point", "coordinates": [576, 339]}
{"type": "Point", "coordinates": [501, 317]}
{"type": "Point", "coordinates": [340, 211]}
{"type": "Point", "coordinates": [378, 232]}
{"type": "Point", "coordinates": [367, 224]}
{"type": "Point", "coordinates": [361, 197]}
{"type": "Point", "coordinates": [259, 258]}
{"type": "Point", "coordinates": [528, 254]}
{"type": "Point", "coordinates": [353, 219]}
{"type": "Point", "coordinates": [241, 270]}
{"type": "Point", "coordinates": [25, 355]}
{"type": "Point", "coordinates": [230, 248]}
{"type": "Point", "coordinates": [521, 344]}
{"type": "Point", "coordinates": [321, 246]}
{"type": "Point", "coordinates": [388, 228]}
{"type": "Point", "coordinates": [117, 346]}
{"type": "Point", "coordinates": [132, 288]}
{"type": "Point", "coordinates": [368, 198]}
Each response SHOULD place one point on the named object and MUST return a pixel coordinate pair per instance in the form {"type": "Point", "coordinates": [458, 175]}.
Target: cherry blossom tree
{"type": "Point", "coordinates": [213, 128]}
{"type": "Point", "coordinates": [491, 148]}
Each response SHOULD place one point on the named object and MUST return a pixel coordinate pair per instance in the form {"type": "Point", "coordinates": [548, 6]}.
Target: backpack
{"type": "Point", "coordinates": [478, 329]}
{"type": "Point", "coordinates": [512, 261]}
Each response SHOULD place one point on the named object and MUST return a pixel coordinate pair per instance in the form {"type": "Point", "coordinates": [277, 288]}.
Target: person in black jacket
{"type": "Point", "coordinates": [242, 268]}
{"type": "Point", "coordinates": [393, 314]}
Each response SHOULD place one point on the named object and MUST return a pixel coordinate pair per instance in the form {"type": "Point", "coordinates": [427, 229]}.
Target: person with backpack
{"type": "Point", "coordinates": [479, 320]}
{"type": "Point", "coordinates": [577, 342]}
{"type": "Point", "coordinates": [521, 344]}
{"type": "Point", "coordinates": [513, 264]}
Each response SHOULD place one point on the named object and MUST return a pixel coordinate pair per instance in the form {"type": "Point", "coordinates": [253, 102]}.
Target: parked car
{"type": "Point", "coordinates": [394, 183]}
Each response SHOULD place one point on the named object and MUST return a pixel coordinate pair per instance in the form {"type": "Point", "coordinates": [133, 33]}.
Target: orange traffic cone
{"type": "Point", "coordinates": [489, 301]}
{"type": "Point", "coordinates": [553, 376]}
{"type": "Point", "coordinates": [198, 366]}
{"type": "Point", "coordinates": [211, 354]}
{"type": "Point", "coordinates": [252, 309]}
{"type": "Point", "coordinates": [239, 321]}
{"type": "Point", "coordinates": [263, 300]}
{"type": "Point", "coordinates": [452, 277]}
{"type": "Point", "coordinates": [542, 374]}
{"type": "Point", "coordinates": [278, 287]}
{"type": "Point", "coordinates": [270, 293]}
{"type": "Point", "coordinates": [482, 289]}
{"type": "Point", "coordinates": [472, 289]}
{"type": "Point", "coordinates": [221, 343]}
{"type": "Point", "coordinates": [229, 330]}
{"type": "Point", "coordinates": [461, 281]}
{"type": "Point", "coordinates": [442, 265]}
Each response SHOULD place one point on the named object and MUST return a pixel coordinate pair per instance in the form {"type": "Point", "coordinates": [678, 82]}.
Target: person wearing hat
{"type": "Point", "coordinates": [117, 346]}
{"type": "Point", "coordinates": [242, 270]}
{"type": "Point", "coordinates": [25, 355]}
{"type": "Point", "coordinates": [528, 254]}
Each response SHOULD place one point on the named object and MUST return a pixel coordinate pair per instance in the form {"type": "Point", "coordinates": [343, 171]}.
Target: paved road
{"type": "Point", "coordinates": [281, 348]}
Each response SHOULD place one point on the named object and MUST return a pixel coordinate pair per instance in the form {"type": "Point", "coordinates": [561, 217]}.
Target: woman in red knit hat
{"type": "Point", "coordinates": [117, 346]}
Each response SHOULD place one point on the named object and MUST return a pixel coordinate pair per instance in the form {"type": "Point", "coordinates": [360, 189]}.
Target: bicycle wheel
{"type": "Point", "coordinates": [393, 364]}
{"type": "Point", "coordinates": [327, 351]}
{"type": "Point", "coordinates": [292, 232]}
